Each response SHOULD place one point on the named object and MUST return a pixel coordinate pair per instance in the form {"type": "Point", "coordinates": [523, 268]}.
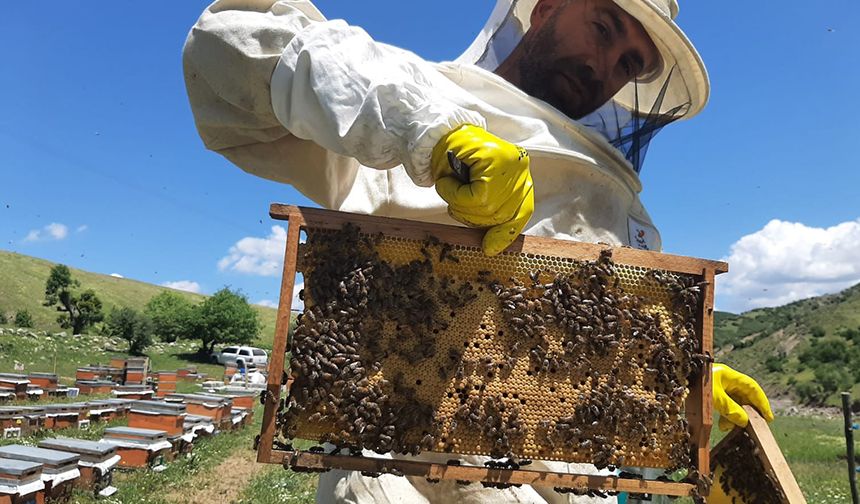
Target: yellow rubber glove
{"type": "Point", "coordinates": [500, 191]}
{"type": "Point", "coordinates": [731, 388]}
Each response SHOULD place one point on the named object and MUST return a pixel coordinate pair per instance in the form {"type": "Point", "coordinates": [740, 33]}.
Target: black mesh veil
{"type": "Point", "coordinates": [631, 131]}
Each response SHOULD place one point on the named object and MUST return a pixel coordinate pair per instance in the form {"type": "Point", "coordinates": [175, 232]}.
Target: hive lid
{"type": "Point", "coordinates": [125, 432]}
{"type": "Point", "coordinates": [16, 380]}
{"type": "Point", "coordinates": [197, 419]}
{"type": "Point", "coordinates": [239, 391]}
{"type": "Point", "coordinates": [94, 383]}
{"type": "Point", "coordinates": [52, 408]}
{"type": "Point", "coordinates": [12, 376]}
{"type": "Point", "coordinates": [199, 399]}
{"type": "Point", "coordinates": [33, 410]}
{"type": "Point", "coordinates": [12, 411]}
{"type": "Point", "coordinates": [158, 406]}
{"type": "Point", "coordinates": [49, 458]}
{"type": "Point", "coordinates": [39, 374]}
{"type": "Point", "coordinates": [79, 446]}
{"type": "Point", "coordinates": [119, 403]}
{"type": "Point", "coordinates": [133, 388]}
{"type": "Point", "coordinates": [18, 467]}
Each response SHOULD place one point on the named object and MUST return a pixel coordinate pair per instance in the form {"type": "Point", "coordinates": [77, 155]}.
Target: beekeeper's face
{"type": "Point", "coordinates": [579, 53]}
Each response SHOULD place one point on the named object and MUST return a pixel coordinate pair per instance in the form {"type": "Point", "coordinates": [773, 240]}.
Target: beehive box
{"type": "Point", "coordinates": [20, 482]}
{"type": "Point", "coordinates": [96, 462]}
{"type": "Point", "coordinates": [215, 407]}
{"type": "Point", "coordinates": [16, 383]}
{"type": "Point", "coordinates": [412, 340]}
{"type": "Point", "coordinates": [94, 387]}
{"type": "Point", "coordinates": [160, 415]}
{"type": "Point", "coordinates": [137, 447]}
{"type": "Point", "coordinates": [47, 381]}
{"type": "Point", "coordinates": [63, 415]}
{"type": "Point", "coordinates": [59, 469]}
{"type": "Point", "coordinates": [135, 392]}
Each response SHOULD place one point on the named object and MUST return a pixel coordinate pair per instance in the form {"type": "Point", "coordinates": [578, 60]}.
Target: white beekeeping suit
{"type": "Point", "coordinates": [350, 122]}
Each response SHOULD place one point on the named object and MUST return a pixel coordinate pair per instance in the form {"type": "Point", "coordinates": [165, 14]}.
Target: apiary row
{"type": "Point", "coordinates": [124, 378]}
{"type": "Point", "coordinates": [158, 431]}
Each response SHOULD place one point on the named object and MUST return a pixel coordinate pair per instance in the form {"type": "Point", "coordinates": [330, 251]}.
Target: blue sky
{"type": "Point", "coordinates": [102, 168]}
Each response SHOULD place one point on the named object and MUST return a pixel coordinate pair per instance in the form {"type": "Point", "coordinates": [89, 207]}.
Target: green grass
{"type": "Point", "coordinates": [22, 286]}
{"type": "Point", "coordinates": [277, 485]}
{"type": "Point", "coordinates": [148, 487]}
{"type": "Point", "coordinates": [64, 354]}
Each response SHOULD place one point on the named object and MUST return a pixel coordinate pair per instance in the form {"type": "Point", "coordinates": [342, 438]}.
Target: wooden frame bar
{"type": "Point", "coordinates": [473, 474]}
{"type": "Point", "coordinates": [698, 405]}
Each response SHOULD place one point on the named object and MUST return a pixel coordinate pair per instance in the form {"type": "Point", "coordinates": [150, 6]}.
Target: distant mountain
{"type": "Point", "coordinates": [22, 286]}
{"type": "Point", "coordinates": [767, 343]}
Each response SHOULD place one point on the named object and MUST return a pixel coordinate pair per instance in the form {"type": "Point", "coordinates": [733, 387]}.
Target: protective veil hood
{"type": "Point", "coordinates": [679, 90]}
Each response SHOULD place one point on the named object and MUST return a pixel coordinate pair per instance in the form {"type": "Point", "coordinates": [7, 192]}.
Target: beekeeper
{"type": "Point", "coordinates": [551, 109]}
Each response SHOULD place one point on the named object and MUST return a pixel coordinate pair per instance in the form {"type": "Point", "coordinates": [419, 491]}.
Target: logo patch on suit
{"type": "Point", "coordinates": [642, 236]}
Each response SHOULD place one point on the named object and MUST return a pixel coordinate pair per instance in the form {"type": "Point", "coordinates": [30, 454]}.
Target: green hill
{"type": "Point", "coordinates": [22, 286]}
{"type": "Point", "coordinates": [786, 348]}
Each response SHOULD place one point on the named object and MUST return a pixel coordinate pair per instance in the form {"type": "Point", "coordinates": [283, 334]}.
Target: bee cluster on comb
{"type": "Point", "coordinates": [407, 346]}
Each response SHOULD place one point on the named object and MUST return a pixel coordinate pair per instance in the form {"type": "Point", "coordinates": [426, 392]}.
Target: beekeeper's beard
{"type": "Point", "coordinates": [545, 75]}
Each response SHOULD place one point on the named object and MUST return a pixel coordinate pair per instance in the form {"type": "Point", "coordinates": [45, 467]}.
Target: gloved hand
{"type": "Point", "coordinates": [731, 388]}
{"type": "Point", "coordinates": [500, 191]}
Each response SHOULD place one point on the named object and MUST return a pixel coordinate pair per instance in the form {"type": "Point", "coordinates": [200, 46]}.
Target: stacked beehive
{"type": "Point", "coordinates": [166, 383]}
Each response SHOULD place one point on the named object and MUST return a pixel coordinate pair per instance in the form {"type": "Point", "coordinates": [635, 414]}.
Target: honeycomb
{"type": "Point", "coordinates": [741, 476]}
{"type": "Point", "coordinates": [408, 346]}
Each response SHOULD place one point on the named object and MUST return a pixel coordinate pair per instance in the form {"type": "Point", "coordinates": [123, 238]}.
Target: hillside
{"type": "Point", "coordinates": [22, 286]}
{"type": "Point", "coordinates": [768, 343]}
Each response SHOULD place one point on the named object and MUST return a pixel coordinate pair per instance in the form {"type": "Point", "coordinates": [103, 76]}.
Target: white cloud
{"type": "Point", "coordinates": [184, 285]}
{"type": "Point", "coordinates": [116, 275]}
{"type": "Point", "coordinates": [257, 256]}
{"type": "Point", "coordinates": [298, 304]}
{"type": "Point", "coordinates": [53, 231]}
{"type": "Point", "coordinates": [787, 261]}
{"type": "Point", "coordinates": [82, 228]}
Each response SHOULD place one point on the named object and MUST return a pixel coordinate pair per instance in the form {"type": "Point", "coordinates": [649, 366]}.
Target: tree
{"type": "Point", "coordinates": [171, 315]}
{"type": "Point", "coordinates": [23, 319]}
{"type": "Point", "coordinates": [131, 326]}
{"type": "Point", "coordinates": [832, 379]}
{"type": "Point", "coordinates": [3, 318]}
{"type": "Point", "coordinates": [818, 332]}
{"type": "Point", "coordinates": [81, 311]}
{"type": "Point", "coordinates": [225, 317]}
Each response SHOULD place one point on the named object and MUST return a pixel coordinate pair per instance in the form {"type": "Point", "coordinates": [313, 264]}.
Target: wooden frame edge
{"type": "Point", "coordinates": [303, 460]}
{"type": "Point", "coordinates": [468, 237]}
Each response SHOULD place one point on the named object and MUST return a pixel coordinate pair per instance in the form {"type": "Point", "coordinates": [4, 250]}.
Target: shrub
{"type": "Point", "coordinates": [774, 363]}
{"type": "Point", "coordinates": [23, 319]}
{"type": "Point", "coordinates": [818, 332]}
{"type": "Point", "coordinates": [808, 392]}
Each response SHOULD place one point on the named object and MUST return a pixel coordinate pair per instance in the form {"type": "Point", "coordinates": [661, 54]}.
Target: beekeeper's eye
{"type": "Point", "coordinates": [603, 31]}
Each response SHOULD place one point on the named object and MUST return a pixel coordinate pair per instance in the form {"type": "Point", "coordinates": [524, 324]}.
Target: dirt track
{"type": "Point", "coordinates": [223, 483]}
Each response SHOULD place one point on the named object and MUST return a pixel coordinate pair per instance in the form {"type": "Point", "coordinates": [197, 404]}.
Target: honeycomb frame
{"type": "Point", "coordinates": [403, 238]}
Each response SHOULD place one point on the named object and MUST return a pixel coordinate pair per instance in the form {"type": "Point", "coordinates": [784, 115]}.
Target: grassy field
{"type": "Point", "coordinates": [22, 286]}
{"type": "Point", "coordinates": [39, 351]}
